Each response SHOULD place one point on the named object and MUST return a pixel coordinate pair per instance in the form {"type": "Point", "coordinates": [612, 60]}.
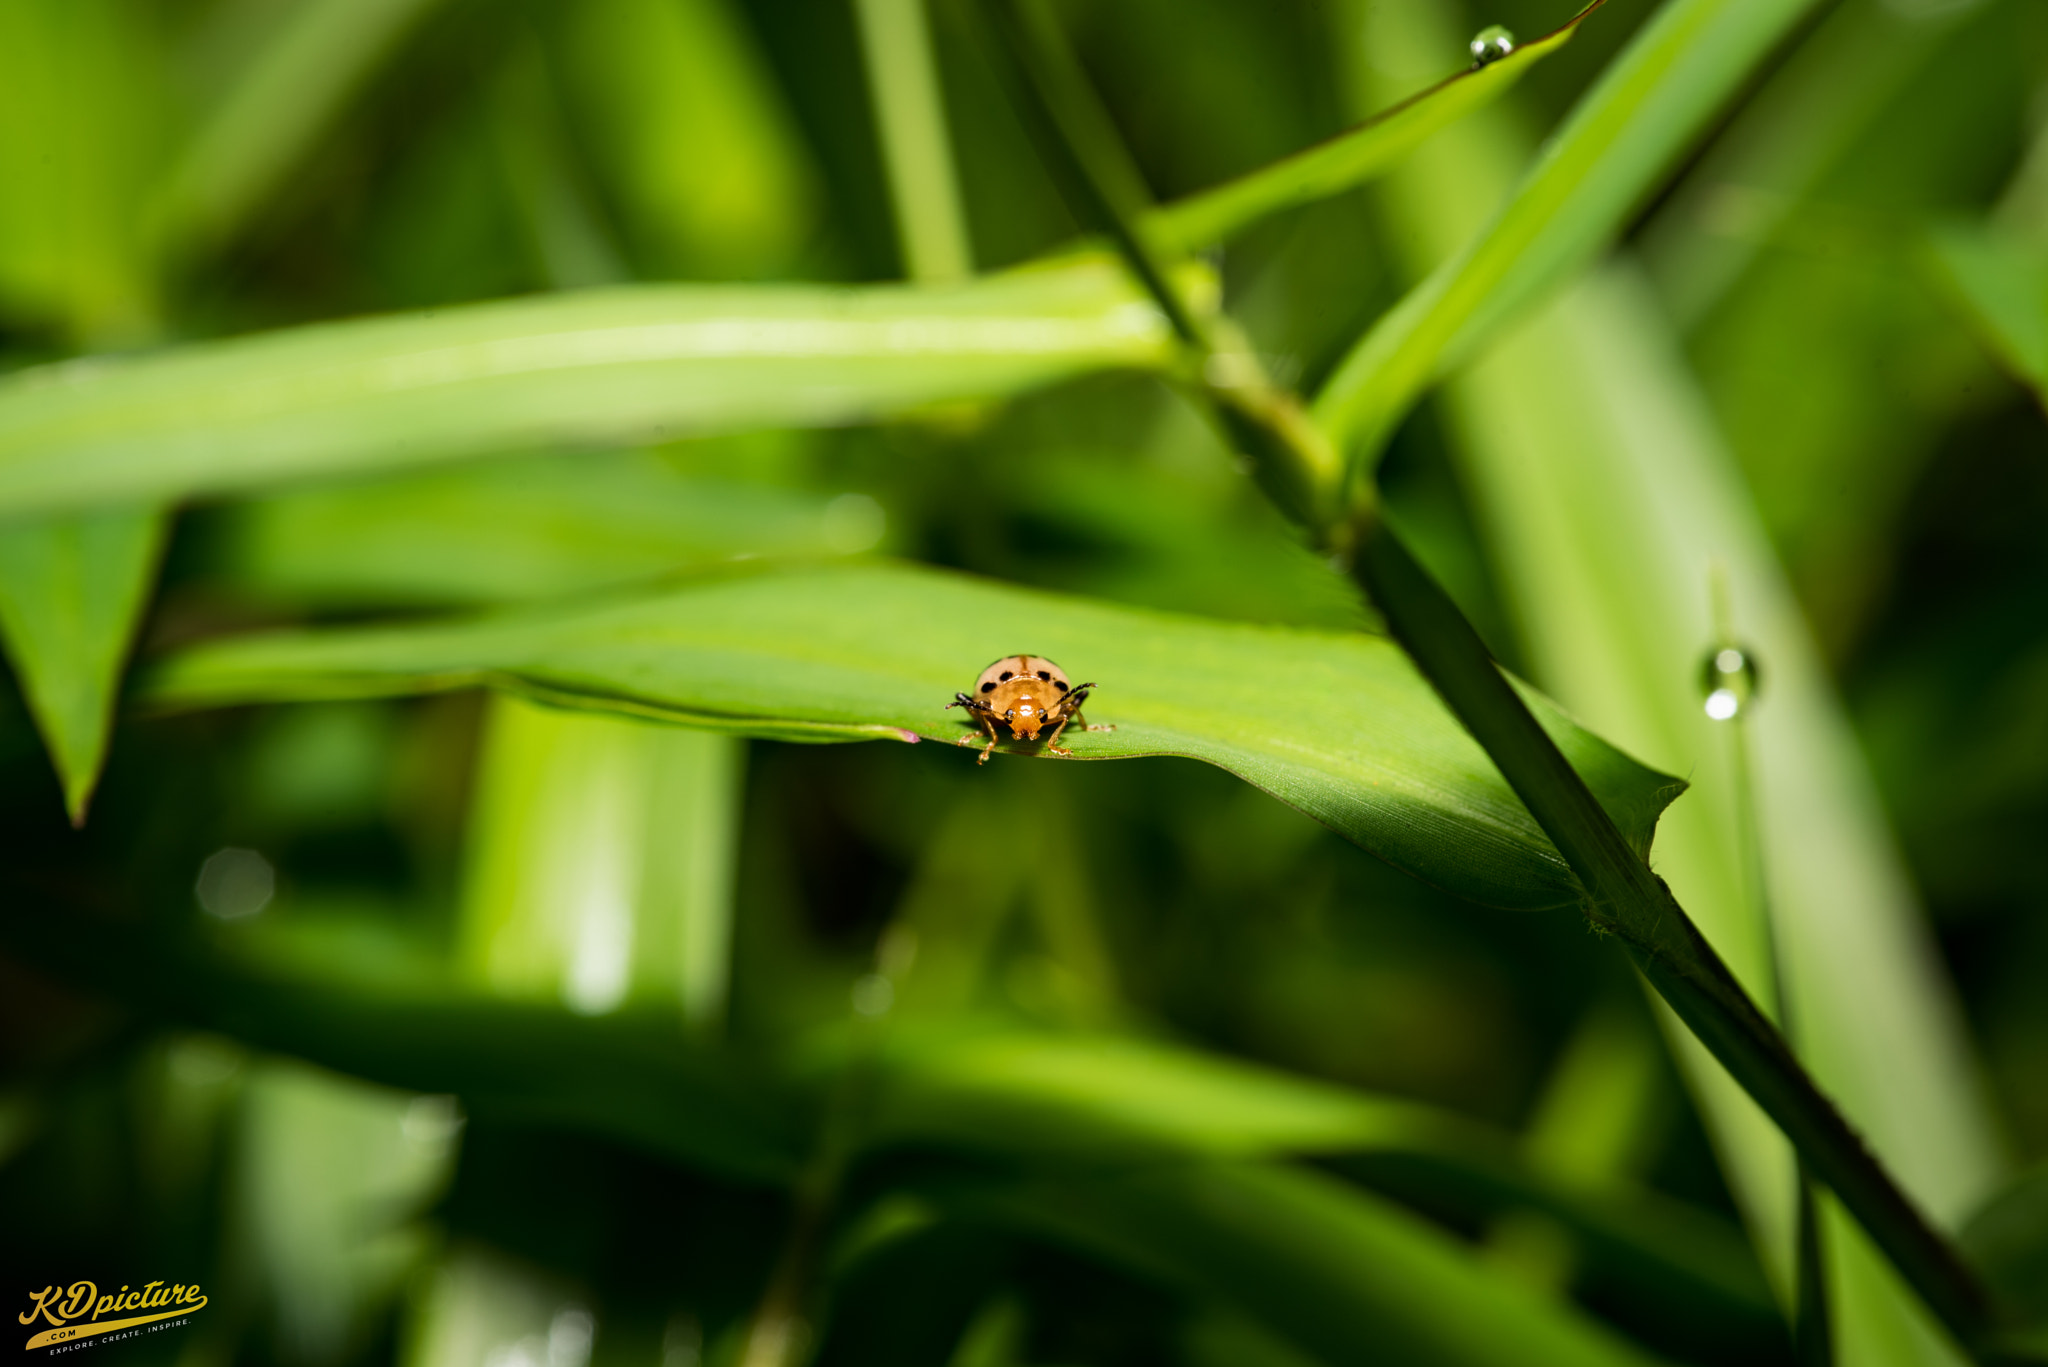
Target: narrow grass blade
{"type": "Point", "coordinates": [274, 109]}
{"type": "Point", "coordinates": [72, 591]}
{"type": "Point", "coordinates": [1605, 461]}
{"type": "Point", "coordinates": [1626, 899]}
{"type": "Point", "coordinates": [573, 245]}
{"type": "Point", "coordinates": [1856, 65]}
{"type": "Point", "coordinates": [629, 1078]}
{"type": "Point", "coordinates": [870, 651]}
{"type": "Point", "coordinates": [1349, 159]}
{"type": "Point", "coordinates": [332, 1176]}
{"type": "Point", "coordinates": [1605, 506]}
{"type": "Point", "coordinates": [1595, 1120]}
{"type": "Point", "coordinates": [1339, 1272]}
{"type": "Point", "coordinates": [910, 114]}
{"type": "Point", "coordinates": [1086, 1097]}
{"type": "Point", "coordinates": [1556, 428]}
{"type": "Point", "coordinates": [601, 863]}
{"type": "Point", "coordinates": [1621, 139]}
{"type": "Point", "coordinates": [1078, 141]}
{"type": "Point", "coordinates": [2002, 283]}
{"type": "Point", "coordinates": [1091, 1103]}
{"type": "Point", "coordinates": [688, 133]}
{"type": "Point", "coordinates": [472, 1294]}
{"type": "Point", "coordinates": [619, 365]}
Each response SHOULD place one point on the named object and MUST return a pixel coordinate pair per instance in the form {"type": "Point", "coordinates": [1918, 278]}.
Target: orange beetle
{"type": "Point", "coordinates": [1026, 693]}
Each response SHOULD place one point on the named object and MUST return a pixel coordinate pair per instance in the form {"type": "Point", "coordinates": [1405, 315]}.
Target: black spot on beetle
{"type": "Point", "coordinates": [988, 687]}
{"type": "Point", "coordinates": [1006, 676]}
{"type": "Point", "coordinates": [1060, 684]}
{"type": "Point", "coordinates": [1045, 674]}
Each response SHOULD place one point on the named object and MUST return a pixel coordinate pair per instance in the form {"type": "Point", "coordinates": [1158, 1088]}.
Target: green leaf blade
{"type": "Point", "coordinates": [72, 591]}
{"type": "Point", "coordinates": [274, 109]}
{"type": "Point", "coordinates": [2002, 285]}
{"type": "Point", "coordinates": [1587, 453]}
{"type": "Point", "coordinates": [1031, 1095]}
{"type": "Point", "coordinates": [1087, 1103]}
{"type": "Point", "coordinates": [1350, 159]}
{"type": "Point", "coordinates": [1338, 1271]}
{"type": "Point", "coordinates": [1619, 140]}
{"type": "Point", "coordinates": [1337, 725]}
{"type": "Point", "coordinates": [631, 364]}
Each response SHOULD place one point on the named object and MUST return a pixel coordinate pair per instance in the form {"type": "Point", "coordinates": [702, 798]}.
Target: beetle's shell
{"type": "Point", "coordinates": [1019, 667]}
{"type": "Point", "coordinates": [1021, 689]}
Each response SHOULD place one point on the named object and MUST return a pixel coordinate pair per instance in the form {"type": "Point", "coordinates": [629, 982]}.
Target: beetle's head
{"type": "Point", "coordinates": [1024, 717]}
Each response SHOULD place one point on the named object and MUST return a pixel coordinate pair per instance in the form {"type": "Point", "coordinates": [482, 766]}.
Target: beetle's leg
{"type": "Point", "coordinates": [986, 726]}
{"type": "Point", "coordinates": [981, 712]}
{"type": "Point", "coordinates": [1052, 742]}
{"type": "Point", "coordinates": [1085, 724]}
{"type": "Point", "coordinates": [1068, 712]}
{"type": "Point", "coordinates": [983, 716]}
{"type": "Point", "coordinates": [1072, 705]}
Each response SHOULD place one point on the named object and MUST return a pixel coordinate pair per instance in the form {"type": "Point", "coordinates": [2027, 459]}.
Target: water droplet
{"type": "Point", "coordinates": [1729, 680]}
{"type": "Point", "coordinates": [234, 883]}
{"type": "Point", "coordinates": [1490, 44]}
{"type": "Point", "coordinates": [873, 995]}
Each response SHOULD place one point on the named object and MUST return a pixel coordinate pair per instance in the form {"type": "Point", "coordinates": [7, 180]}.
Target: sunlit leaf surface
{"type": "Point", "coordinates": [1339, 726]}
{"type": "Point", "coordinates": [630, 364]}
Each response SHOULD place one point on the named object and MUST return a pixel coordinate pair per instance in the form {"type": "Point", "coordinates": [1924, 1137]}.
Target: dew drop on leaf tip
{"type": "Point", "coordinates": [1729, 680]}
{"type": "Point", "coordinates": [1490, 44]}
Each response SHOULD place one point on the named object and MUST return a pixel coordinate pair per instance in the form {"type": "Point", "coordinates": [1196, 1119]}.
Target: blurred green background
{"type": "Point", "coordinates": [459, 1031]}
